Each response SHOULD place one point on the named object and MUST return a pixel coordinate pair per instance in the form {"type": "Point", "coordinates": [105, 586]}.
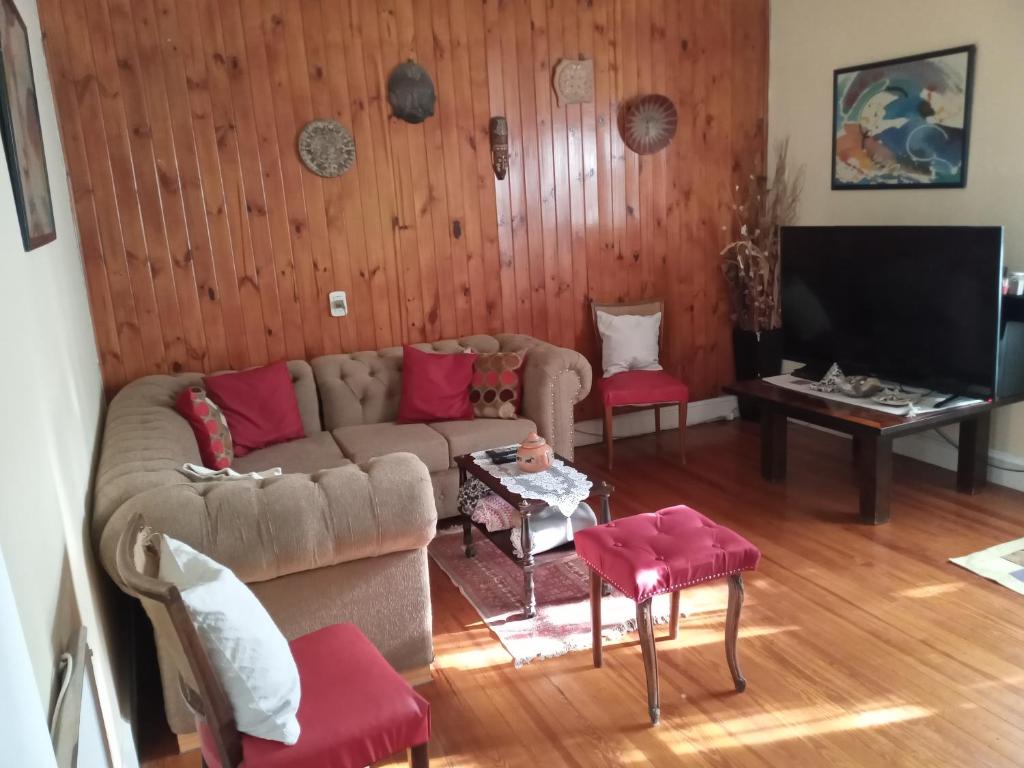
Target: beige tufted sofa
{"type": "Point", "coordinates": [342, 534]}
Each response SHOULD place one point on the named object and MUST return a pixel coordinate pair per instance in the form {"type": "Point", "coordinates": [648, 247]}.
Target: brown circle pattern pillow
{"type": "Point", "coordinates": [496, 391]}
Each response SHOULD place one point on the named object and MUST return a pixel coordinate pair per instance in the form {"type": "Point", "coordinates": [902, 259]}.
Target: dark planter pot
{"type": "Point", "coordinates": [756, 358]}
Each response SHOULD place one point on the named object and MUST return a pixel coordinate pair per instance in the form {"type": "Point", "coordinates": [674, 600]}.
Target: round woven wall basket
{"type": "Point", "coordinates": [327, 148]}
{"type": "Point", "coordinates": [650, 123]}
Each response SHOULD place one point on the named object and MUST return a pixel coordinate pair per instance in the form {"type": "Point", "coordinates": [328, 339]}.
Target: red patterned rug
{"type": "Point", "coordinates": [493, 584]}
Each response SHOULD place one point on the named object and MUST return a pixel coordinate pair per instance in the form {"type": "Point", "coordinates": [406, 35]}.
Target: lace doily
{"type": "Point", "coordinates": [559, 486]}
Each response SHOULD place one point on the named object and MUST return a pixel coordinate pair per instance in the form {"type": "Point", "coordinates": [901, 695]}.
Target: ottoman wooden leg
{"type": "Point", "coordinates": [732, 626]}
{"type": "Point", "coordinates": [596, 590]}
{"type": "Point", "coordinates": [673, 617]}
{"type": "Point", "coordinates": [646, 629]}
{"type": "Point", "coordinates": [419, 756]}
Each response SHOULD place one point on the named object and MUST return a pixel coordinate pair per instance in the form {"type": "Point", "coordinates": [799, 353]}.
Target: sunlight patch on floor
{"type": "Point", "coordinates": [931, 590]}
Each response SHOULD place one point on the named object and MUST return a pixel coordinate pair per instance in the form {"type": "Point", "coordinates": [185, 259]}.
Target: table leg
{"type": "Point", "coordinates": [855, 442]}
{"type": "Point", "coordinates": [875, 478]}
{"type": "Point", "coordinates": [645, 627]}
{"type": "Point", "coordinates": [732, 627]}
{"type": "Point", "coordinates": [526, 540]}
{"type": "Point", "coordinates": [773, 443]}
{"type": "Point", "coordinates": [596, 588]}
{"type": "Point", "coordinates": [467, 523]}
{"type": "Point", "coordinates": [972, 456]}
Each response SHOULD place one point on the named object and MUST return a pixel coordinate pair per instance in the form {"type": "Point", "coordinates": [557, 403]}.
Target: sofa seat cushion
{"type": "Point", "coordinates": [363, 442]}
{"type": "Point", "coordinates": [306, 455]}
{"type": "Point", "coordinates": [480, 434]}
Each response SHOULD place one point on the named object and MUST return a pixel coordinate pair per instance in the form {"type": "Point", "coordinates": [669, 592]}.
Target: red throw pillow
{"type": "Point", "coordinates": [497, 385]}
{"type": "Point", "coordinates": [259, 404]}
{"type": "Point", "coordinates": [209, 425]}
{"type": "Point", "coordinates": [435, 387]}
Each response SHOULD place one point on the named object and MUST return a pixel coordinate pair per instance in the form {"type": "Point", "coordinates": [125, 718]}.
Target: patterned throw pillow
{"type": "Point", "coordinates": [209, 425]}
{"type": "Point", "coordinates": [496, 392]}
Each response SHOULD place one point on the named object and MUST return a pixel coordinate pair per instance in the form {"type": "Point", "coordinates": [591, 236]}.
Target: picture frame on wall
{"type": "Point", "coordinates": [903, 123]}
{"type": "Point", "coordinates": [22, 132]}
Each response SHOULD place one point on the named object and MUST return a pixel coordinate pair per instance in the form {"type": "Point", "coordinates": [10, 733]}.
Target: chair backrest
{"type": "Point", "coordinates": [138, 563]}
{"type": "Point", "coordinates": [645, 307]}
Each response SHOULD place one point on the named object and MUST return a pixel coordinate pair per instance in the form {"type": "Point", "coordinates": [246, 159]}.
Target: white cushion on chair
{"type": "Point", "coordinates": [629, 342]}
{"type": "Point", "coordinates": [251, 657]}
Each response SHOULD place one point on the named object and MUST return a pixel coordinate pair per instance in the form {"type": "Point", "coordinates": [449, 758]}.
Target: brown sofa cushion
{"type": "Point", "coordinates": [480, 434]}
{"type": "Point", "coordinates": [306, 455]}
{"type": "Point", "coordinates": [365, 441]}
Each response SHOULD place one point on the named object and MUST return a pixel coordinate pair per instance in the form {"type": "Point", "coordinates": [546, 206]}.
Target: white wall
{"type": "Point", "coordinates": [52, 404]}
{"type": "Point", "coordinates": [810, 38]}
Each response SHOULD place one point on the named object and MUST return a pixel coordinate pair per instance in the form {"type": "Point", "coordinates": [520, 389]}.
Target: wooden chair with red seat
{"type": "Point", "coordinates": [354, 710]}
{"type": "Point", "coordinates": [639, 390]}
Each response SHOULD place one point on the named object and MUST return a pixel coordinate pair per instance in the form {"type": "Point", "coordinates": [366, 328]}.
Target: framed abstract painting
{"type": "Point", "coordinates": [22, 133]}
{"type": "Point", "coordinates": [903, 123]}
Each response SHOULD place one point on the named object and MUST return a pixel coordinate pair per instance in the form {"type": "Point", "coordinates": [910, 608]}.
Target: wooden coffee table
{"type": "Point", "coordinates": [525, 510]}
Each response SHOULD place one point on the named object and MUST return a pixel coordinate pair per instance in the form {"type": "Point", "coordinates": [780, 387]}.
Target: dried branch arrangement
{"type": "Point", "coordinates": [751, 262]}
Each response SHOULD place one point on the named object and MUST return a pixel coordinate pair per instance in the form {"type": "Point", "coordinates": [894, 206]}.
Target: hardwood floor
{"type": "Point", "coordinates": [861, 646]}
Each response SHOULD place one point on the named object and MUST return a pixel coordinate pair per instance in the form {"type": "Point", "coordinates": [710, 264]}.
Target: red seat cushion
{"type": "Point", "coordinates": [354, 710]}
{"type": "Point", "coordinates": [663, 551]}
{"type": "Point", "coordinates": [259, 405]}
{"type": "Point", "coordinates": [435, 387]}
{"type": "Point", "coordinates": [642, 388]}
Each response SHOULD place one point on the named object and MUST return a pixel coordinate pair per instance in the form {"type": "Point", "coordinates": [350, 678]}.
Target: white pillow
{"type": "Point", "coordinates": [628, 342]}
{"type": "Point", "coordinates": [249, 654]}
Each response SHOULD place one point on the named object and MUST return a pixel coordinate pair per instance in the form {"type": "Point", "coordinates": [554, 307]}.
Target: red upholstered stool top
{"type": "Point", "coordinates": [676, 547]}
{"type": "Point", "coordinates": [355, 709]}
{"type": "Point", "coordinates": [642, 388]}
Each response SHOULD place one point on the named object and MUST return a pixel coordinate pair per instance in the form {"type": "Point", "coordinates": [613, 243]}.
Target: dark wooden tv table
{"type": "Point", "coordinates": [873, 432]}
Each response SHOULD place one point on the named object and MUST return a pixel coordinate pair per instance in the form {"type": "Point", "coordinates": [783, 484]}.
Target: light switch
{"type": "Point", "coordinates": [338, 303]}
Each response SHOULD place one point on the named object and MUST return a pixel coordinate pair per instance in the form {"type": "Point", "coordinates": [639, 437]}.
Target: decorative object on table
{"type": "Point", "coordinates": [666, 551]}
{"type": "Point", "coordinates": [895, 398]}
{"type": "Point", "coordinates": [830, 381]}
{"type": "Point", "coordinates": [650, 123]}
{"type": "Point", "coordinates": [356, 709]}
{"type": "Point", "coordinates": [903, 123]}
{"type": "Point", "coordinates": [411, 92]}
{"type": "Point", "coordinates": [1003, 564]}
{"type": "Point", "coordinates": [634, 380]}
{"type": "Point", "coordinates": [327, 148]}
{"type": "Point", "coordinates": [751, 267]}
{"type": "Point", "coordinates": [574, 81]}
{"type": "Point", "coordinates": [562, 487]}
{"type": "Point", "coordinates": [496, 390]}
{"type": "Point", "coordinates": [534, 454]}
{"type": "Point", "coordinates": [490, 581]}
{"type": "Point", "coordinates": [499, 146]}
{"type": "Point", "coordinates": [22, 132]}
{"type": "Point", "coordinates": [860, 386]}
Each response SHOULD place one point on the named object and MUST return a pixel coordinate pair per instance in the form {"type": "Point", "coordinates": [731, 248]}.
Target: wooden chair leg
{"type": "Point", "coordinates": [645, 627]}
{"type": "Point", "coordinates": [673, 619]}
{"type": "Point", "coordinates": [657, 419]}
{"type": "Point", "coordinates": [732, 626]}
{"type": "Point", "coordinates": [596, 590]}
{"type": "Point", "coordinates": [682, 433]}
{"type": "Point", "coordinates": [609, 433]}
{"type": "Point", "coordinates": [419, 756]}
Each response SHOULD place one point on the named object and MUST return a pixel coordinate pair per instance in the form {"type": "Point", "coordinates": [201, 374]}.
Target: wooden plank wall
{"type": "Point", "coordinates": [207, 245]}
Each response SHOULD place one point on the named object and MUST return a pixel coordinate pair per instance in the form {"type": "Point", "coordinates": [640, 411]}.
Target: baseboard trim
{"type": "Point", "coordinates": [932, 449]}
{"type": "Point", "coordinates": [636, 423]}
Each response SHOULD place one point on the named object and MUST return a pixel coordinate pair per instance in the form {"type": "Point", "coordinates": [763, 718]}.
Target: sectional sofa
{"type": "Point", "coordinates": [341, 536]}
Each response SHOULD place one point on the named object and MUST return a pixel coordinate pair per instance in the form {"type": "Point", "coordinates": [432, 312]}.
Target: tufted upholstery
{"type": "Point", "coordinates": [646, 555]}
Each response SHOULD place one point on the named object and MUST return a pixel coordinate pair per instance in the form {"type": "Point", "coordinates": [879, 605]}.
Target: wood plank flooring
{"type": "Point", "coordinates": [862, 646]}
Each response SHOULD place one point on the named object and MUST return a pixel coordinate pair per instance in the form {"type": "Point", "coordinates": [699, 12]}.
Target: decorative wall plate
{"type": "Point", "coordinates": [650, 123]}
{"type": "Point", "coordinates": [327, 148]}
{"type": "Point", "coordinates": [574, 81]}
{"type": "Point", "coordinates": [411, 92]}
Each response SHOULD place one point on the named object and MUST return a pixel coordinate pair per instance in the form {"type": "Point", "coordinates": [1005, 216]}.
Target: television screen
{"type": "Point", "coordinates": [915, 305]}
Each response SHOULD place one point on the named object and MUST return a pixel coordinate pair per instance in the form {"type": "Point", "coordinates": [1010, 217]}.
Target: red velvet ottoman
{"type": "Point", "coordinates": [665, 551]}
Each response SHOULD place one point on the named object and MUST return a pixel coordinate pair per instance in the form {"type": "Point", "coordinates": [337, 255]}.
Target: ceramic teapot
{"type": "Point", "coordinates": [534, 454]}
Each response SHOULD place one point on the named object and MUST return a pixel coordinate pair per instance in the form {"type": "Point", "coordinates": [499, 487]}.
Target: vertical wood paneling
{"type": "Point", "coordinates": [208, 245]}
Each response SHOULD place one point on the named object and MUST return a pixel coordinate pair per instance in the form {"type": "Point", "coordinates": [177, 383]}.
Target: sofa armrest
{"type": "Point", "coordinates": [554, 380]}
{"type": "Point", "coordinates": [262, 529]}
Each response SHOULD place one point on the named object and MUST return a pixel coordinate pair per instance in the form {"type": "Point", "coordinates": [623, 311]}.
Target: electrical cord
{"type": "Point", "coordinates": [66, 664]}
{"type": "Point", "coordinates": [992, 464]}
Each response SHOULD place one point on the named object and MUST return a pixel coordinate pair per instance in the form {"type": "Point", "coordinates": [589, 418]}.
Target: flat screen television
{"type": "Point", "coordinates": [916, 305]}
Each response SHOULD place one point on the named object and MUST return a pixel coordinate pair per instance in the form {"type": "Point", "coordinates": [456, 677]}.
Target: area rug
{"type": "Point", "coordinates": [1003, 564]}
{"type": "Point", "coordinates": [493, 584]}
